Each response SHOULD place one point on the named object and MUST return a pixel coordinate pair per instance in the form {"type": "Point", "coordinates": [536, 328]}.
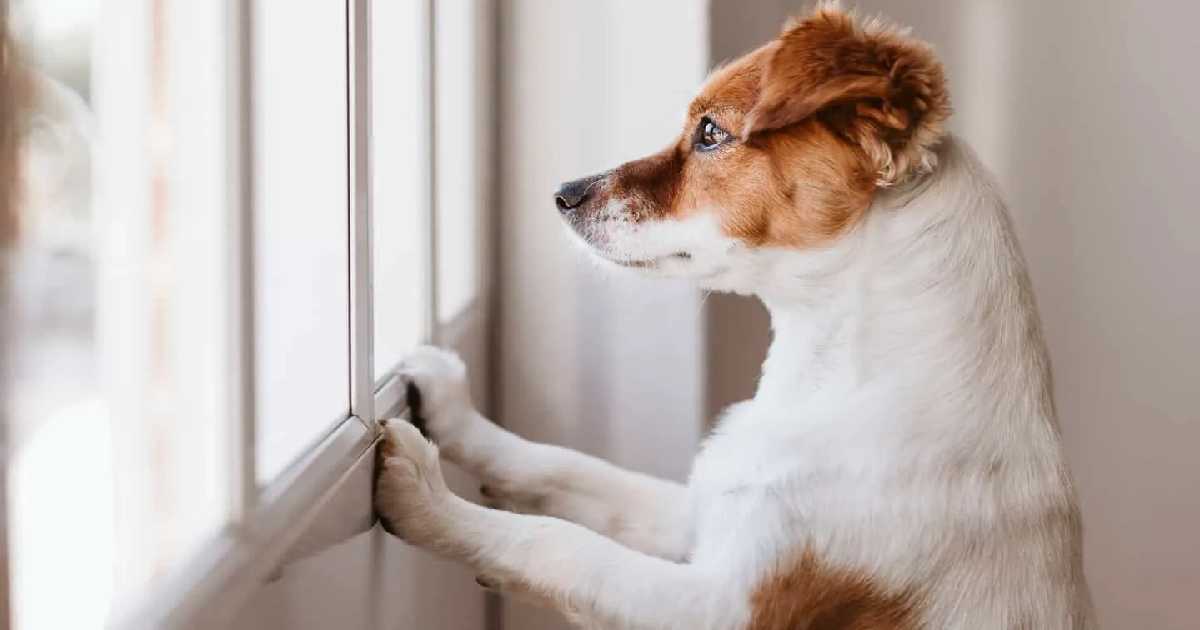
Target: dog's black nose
{"type": "Point", "coordinates": [571, 195]}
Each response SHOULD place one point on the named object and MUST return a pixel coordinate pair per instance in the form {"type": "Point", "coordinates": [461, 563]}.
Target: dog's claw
{"type": "Point", "coordinates": [488, 583]}
{"type": "Point", "coordinates": [412, 396]}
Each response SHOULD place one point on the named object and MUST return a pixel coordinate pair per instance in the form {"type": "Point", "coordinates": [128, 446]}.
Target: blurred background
{"type": "Point", "coordinates": [231, 219]}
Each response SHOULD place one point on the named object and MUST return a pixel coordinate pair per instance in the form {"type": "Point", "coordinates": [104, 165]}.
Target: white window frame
{"type": "Point", "coordinates": [219, 579]}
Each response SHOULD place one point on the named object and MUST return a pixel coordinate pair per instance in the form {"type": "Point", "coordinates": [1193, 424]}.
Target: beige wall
{"type": "Point", "coordinates": [1087, 112]}
{"type": "Point", "coordinates": [610, 365]}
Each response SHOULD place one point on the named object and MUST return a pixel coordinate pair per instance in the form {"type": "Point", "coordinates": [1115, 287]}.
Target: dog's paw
{"type": "Point", "coordinates": [438, 393]}
{"type": "Point", "coordinates": [411, 496]}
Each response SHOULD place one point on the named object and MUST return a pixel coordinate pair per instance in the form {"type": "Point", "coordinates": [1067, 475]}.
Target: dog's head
{"type": "Point", "coordinates": [783, 148]}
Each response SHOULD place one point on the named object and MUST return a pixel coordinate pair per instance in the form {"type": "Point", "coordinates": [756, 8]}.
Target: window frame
{"type": "Point", "coordinates": [268, 521]}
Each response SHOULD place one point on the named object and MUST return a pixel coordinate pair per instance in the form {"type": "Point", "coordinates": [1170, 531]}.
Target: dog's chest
{"type": "Point", "coordinates": [753, 475]}
{"type": "Point", "coordinates": [756, 449]}
{"type": "Point", "coordinates": [764, 484]}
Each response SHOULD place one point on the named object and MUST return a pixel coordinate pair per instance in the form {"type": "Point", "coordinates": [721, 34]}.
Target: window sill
{"type": "Point", "coordinates": [220, 577]}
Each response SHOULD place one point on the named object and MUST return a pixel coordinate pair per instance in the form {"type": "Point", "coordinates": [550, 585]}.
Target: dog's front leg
{"type": "Point", "coordinates": [584, 575]}
{"type": "Point", "coordinates": [639, 511]}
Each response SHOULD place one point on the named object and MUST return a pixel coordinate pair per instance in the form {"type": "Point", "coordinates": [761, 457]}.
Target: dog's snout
{"type": "Point", "coordinates": [571, 195]}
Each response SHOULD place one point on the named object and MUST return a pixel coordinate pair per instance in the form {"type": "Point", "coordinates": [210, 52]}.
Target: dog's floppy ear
{"type": "Point", "coordinates": [875, 85]}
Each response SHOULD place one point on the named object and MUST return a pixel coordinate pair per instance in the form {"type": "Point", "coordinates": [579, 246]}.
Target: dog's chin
{"type": "Point", "coordinates": [616, 253]}
{"type": "Point", "coordinates": [670, 261]}
{"type": "Point", "coordinates": [683, 266]}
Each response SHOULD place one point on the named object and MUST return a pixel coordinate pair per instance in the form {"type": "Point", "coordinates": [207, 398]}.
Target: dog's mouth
{"type": "Point", "coordinates": [647, 263]}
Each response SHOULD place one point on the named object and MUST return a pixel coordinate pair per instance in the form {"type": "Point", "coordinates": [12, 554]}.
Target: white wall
{"type": "Point", "coordinates": [1087, 111]}
{"type": "Point", "coordinates": [610, 365]}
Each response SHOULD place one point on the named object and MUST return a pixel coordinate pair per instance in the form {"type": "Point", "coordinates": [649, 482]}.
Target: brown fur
{"type": "Point", "coordinates": [827, 112]}
{"type": "Point", "coordinates": [880, 88]}
{"type": "Point", "coordinates": [810, 595]}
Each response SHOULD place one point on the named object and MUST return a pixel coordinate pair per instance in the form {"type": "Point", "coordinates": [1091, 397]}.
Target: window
{"type": "Point", "coordinates": [400, 53]}
{"type": "Point", "coordinates": [301, 227]}
{"type": "Point", "coordinates": [235, 219]}
{"type": "Point", "coordinates": [458, 157]}
{"type": "Point", "coordinates": [120, 302]}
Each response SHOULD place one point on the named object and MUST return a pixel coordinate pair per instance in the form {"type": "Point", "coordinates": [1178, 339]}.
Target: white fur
{"type": "Point", "coordinates": [903, 427]}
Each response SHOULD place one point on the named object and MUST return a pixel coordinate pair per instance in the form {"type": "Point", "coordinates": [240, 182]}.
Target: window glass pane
{"type": "Point", "coordinates": [119, 458]}
{"type": "Point", "coordinates": [458, 134]}
{"type": "Point", "coordinates": [301, 227]}
{"type": "Point", "coordinates": [400, 190]}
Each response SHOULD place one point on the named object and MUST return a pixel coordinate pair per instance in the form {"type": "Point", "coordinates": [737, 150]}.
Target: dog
{"type": "Point", "coordinates": [899, 466]}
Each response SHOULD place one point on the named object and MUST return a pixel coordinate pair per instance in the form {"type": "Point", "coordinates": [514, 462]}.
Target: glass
{"type": "Point", "coordinates": [458, 156]}
{"type": "Point", "coordinates": [399, 47]}
{"type": "Point", "coordinates": [119, 304]}
{"type": "Point", "coordinates": [301, 228]}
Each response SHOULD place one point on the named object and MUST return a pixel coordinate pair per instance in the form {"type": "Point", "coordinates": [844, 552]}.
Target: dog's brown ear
{"type": "Point", "coordinates": [874, 84]}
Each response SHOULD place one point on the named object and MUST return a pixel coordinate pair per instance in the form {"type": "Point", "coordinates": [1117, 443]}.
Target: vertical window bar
{"type": "Point", "coordinates": [431, 214]}
{"type": "Point", "coordinates": [362, 394]}
{"type": "Point", "coordinates": [240, 120]}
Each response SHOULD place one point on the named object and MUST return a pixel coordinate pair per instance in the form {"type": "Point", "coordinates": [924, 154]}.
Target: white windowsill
{"type": "Point", "coordinates": [224, 573]}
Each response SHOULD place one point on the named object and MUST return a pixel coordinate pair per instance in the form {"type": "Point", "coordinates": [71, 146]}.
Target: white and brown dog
{"type": "Point", "coordinates": [899, 466]}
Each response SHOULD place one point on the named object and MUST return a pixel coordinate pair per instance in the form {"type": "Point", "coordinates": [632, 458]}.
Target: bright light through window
{"type": "Point", "coordinates": [121, 330]}
{"type": "Point", "coordinates": [301, 229]}
{"type": "Point", "coordinates": [147, 435]}
{"type": "Point", "coordinates": [458, 134]}
{"type": "Point", "coordinates": [401, 154]}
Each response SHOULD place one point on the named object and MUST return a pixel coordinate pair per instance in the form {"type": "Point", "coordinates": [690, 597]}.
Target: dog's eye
{"type": "Point", "coordinates": [709, 135]}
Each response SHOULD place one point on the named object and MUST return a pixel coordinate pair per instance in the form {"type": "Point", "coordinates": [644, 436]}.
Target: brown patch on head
{"type": "Point", "coordinates": [810, 595]}
{"type": "Point", "coordinates": [880, 88]}
{"type": "Point", "coordinates": [796, 187]}
{"type": "Point", "coordinates": [650, 185]}
{"type": "Point", "coordinates": [817, 120]}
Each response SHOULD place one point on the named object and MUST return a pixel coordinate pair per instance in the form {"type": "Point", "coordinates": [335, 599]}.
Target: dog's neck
{"type": "Point", "coordinates": [928, 296]}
